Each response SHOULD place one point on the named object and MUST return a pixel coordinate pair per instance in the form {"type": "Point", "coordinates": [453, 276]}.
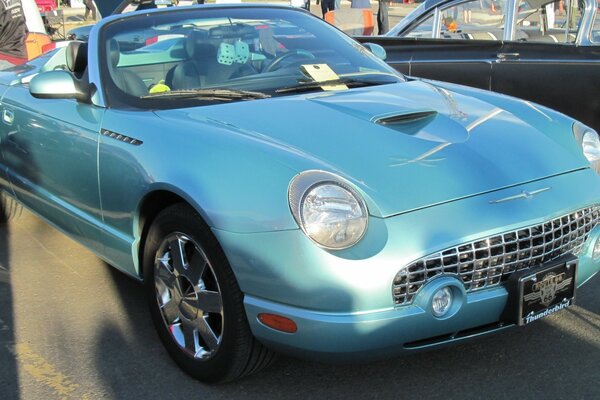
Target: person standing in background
{"type": "Point", "coordinates": [13, 31]}
{"type": "Point", "coordinates": [90, 7]}
{"type": "Point", "coordinates": [383, 22]}
{"type": "Point", "coordinates": [327, 5]}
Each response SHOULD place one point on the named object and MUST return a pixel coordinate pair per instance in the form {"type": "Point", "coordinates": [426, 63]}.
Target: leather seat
{"type": "Point", "coordinates": [125, 80]}
{"type": "Point", "coordinates": [201, 67]}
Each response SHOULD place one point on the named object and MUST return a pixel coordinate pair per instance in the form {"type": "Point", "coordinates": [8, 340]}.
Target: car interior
{"type": "Point", "coordinates": [211, 56]}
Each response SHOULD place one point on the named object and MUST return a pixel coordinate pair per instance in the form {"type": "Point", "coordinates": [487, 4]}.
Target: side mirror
{"type": "Point", "coordinates": [57, 85]}
{"type": "Point", "coordinates": [377, 50]}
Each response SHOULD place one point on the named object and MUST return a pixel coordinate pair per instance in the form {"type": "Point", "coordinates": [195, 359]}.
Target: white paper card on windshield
{"type": "Point", "coordinates": [323, 73]}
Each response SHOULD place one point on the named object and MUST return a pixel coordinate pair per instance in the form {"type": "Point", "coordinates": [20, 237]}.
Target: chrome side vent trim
{"type": "Point", "coordinates": [121, 138]}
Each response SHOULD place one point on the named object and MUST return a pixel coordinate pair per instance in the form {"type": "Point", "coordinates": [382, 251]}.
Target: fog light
{"type": "Point", "coordinates": [442, 302]}
{"type": "Point", "coordinates": [596, 253]}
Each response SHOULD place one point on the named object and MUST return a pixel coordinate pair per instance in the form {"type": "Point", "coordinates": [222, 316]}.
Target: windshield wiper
{"type": "Point", "coordinates": [347, 81]}
{"type": "Point", "coordinates": [210, 94]}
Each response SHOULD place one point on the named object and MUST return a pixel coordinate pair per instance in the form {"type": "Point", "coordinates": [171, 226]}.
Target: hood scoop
{"type": "Point", "coordinates": [402, 119]}
{"type": "Point", "coordinates": [426, 125]}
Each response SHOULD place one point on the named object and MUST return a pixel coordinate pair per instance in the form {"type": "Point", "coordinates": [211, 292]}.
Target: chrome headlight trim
{"type": "Point", "coordinates": [306, 183]}
{"type": "Point", "coordinates": [589, 141]}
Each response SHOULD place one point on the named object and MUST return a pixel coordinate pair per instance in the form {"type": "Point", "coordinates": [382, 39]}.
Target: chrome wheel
{"type": "Point", "coordinates": [188, 296]}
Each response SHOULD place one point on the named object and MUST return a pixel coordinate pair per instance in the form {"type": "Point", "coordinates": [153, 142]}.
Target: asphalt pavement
{"type": "Point", "coordinates": [71, 327]}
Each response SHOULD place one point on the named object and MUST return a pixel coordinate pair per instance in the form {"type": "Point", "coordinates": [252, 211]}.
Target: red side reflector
{"type": "Point", "coordinates": [278, 323]}
{"type": "Point", "coordinates": [151, 40]}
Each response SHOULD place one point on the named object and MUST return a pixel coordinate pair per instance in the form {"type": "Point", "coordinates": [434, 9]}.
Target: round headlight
{"type": "Point", "coordinates": [591, 146]}
{"type": "Point", "coordinates": [329, 211]}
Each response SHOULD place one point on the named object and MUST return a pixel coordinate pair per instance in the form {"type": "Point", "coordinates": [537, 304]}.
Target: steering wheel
{"type": "Point", "coordinates": [276, 63]}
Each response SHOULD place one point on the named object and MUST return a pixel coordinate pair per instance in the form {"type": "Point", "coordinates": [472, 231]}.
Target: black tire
{"type": "Point", "coordinates": [10, 209]}
{"type": "Point", "coordinates": [238, 352]}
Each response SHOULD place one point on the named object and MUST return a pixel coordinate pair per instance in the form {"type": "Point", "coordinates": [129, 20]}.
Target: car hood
{"type": "Point", "coordinates": [405, 146]}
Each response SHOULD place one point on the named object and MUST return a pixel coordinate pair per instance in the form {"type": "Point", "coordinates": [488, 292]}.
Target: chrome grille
{"type": "Point", "coordinates": [489, 261]}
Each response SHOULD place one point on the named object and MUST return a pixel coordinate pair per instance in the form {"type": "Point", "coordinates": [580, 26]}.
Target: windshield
{"type": "Point", "coordinates": [168, 59]}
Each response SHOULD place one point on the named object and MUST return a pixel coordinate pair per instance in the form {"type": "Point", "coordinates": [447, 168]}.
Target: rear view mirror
{"type": "Point", "coordinates": [377, 50]}
{"type": "Point", "coordinates": [57, 85]}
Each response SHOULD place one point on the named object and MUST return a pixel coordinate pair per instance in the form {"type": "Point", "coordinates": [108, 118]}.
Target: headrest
{"type": "Point", "coordinates": [114, 53]}
{"type": "Point", "coordinates": [193, 42]}
{"type": "Point", "coordinates": [77, 57]}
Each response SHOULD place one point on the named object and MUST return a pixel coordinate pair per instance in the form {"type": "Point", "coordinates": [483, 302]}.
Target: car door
{"type": "Point", "coordinates": [456, 41]}
{"type": "Point", "coordinates": [50, 149]}
{"type": "Point", "coordinates": [556, 65]}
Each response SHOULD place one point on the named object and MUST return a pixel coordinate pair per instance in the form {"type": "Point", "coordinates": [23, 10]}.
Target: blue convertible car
{"type": "Point", "coordinates": [278, 187]}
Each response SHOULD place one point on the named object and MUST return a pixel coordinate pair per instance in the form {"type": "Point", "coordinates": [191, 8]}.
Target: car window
{"type": "Point", "coordinates": [423, 29]}
{"type": "Point", "coordinates": [478, 19]}
{"type": "Point", "coordinates": [270, 51]}
{"type": "Point", "coordinates": [554, 22]}
{"type": "Point", "coordinates": [595, 35]}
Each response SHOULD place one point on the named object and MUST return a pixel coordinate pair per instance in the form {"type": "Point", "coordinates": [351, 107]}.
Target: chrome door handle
{"type": "Point", "coordinates": [8, 117]}
{"type": "Point", "coordinates": [507, 56]}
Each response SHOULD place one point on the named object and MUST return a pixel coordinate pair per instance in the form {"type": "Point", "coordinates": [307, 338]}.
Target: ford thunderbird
{"type": "Point", "coordinates": [277, 187]}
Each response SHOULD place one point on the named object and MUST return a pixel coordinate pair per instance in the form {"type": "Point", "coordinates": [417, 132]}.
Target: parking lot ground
{"type": "Point", "coordinates": [71, 327]}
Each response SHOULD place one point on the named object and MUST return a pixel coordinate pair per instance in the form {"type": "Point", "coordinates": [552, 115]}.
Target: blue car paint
{"type": "Point", "coordinates": [233, 163]}
{"type": "Point", "coordinates": [343, 302]}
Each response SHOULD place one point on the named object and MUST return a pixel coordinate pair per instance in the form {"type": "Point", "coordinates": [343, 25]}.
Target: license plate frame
{"type": "Point", "coordinates": [546, 290]}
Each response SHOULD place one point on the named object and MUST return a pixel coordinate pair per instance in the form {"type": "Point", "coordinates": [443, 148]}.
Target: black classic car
{"type": "Point", "coordinates": [545, 52]}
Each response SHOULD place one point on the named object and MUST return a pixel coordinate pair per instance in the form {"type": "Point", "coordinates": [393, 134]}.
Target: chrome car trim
{"type": "Point", "coordinates": [121, 138]}
{"type": "Point", "coordinates": [8, 117]}
{"type": "Point", "coordinates": [584, 37]}
{"type": "Point", "coordinates": [489, 261]}
{"type": "Point", "coordinates": [510, 25]}
{"type": "Point", "coordinates": [523, 195]}
{"type": "Point", "coordinates": [436, 29]}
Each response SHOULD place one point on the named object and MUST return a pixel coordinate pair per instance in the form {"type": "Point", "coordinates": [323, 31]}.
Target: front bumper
{"type": "Point", "coordinates": [342, 301]}
{"type": "Point", "coordinates": [338, 337]}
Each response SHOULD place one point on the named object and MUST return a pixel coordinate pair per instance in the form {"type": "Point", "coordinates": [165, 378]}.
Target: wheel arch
{"type": "Point", "coordinates": [150, 206]}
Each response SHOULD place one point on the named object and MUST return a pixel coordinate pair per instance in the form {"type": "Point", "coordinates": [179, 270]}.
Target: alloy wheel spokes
{"type": "Point", "coordinates": [170, 311]}
{"type": "Point", "coordinates": [209, 302]}
{"type": "Point", "coordinates": [196, 267]}
{"type": "Point", "coordinates": [207, 334]}
{"type": "Point", "coordinates": [188, 295]}
{"type": "Point", "coordinates": [189, 337]}
{"type": "Point", "coordinates": [178, 257]}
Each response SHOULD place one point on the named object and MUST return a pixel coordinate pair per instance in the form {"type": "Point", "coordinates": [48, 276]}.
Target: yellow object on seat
{"type": "Point", "coordinates": [160, 87]}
